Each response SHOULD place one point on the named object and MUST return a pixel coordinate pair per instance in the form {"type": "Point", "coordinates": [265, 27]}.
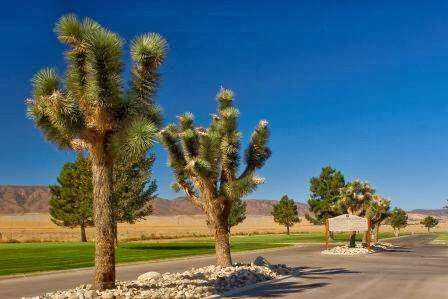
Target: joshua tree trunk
{"type": "Point", "coordinates": [377, 234]}
{"type": "Point", "coordinates": [287, 229]}
{"type": "Point", "coordinates": [222, 240]}
{"type": "Point", "coordinates": [428, 230]}
{"type": "Point", "coordinates": [352, 242]}
{"type": "Point", "coordinates": [396, 232]}
{"type": "Point", "coordinates": [83, 233]}
{"type": "Point", "coordinates": [104, 277]}
{"type": "Point", "coordinates": [364, 237]}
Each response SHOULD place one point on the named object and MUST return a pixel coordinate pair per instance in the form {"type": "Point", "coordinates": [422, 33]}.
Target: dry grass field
{"type": "Point", "coordinates": [39, 228]}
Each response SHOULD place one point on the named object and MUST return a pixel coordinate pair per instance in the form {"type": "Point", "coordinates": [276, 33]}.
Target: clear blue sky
{"type": "Point", "coordinates": [359, 85]}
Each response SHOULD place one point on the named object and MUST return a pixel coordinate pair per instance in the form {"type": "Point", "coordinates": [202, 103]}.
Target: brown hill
{"type": "Point", "coordinates": [23, 199]}
{"type": "Point", "coordinates": [34, 199]}
{"type": "Point", "coordinates": [433, 212]}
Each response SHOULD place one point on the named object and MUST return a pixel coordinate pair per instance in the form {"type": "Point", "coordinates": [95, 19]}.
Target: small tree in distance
{"type": "Point", "coordinates": [398, 219]}
{"type": "Point", "coordinates": [72, 198]}
{"type": "Point", "coordinates": [324, 194]}
{"type": "Point", "coordinates": [286, 213]}
{"type": "Point", "coordinates": [429, 222]}
{"type": "Point", "coordinates": [133, 190]}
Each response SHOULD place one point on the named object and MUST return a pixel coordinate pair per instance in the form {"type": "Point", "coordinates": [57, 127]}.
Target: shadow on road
{"type": "Point", "coordinates": [398, 249]}
{"type": "Point", "coordinates": [282, 288]}
{"type": "Point", "coordinates": [279, 288]}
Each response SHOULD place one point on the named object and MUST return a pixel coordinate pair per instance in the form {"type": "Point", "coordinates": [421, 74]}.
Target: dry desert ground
{"type": "Point", "coordinates": [38, 227]}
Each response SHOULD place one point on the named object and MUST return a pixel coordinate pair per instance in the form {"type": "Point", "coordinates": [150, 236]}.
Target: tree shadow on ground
{"type": "Point", "coordinates": [277, 289]}
{"type": "Point", "coordinates": [397, 249]}
{"type": "Point", "coordinates": [280, 289]}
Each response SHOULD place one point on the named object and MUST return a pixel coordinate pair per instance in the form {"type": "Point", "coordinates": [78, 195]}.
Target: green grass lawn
{"type": "Point", "coordinates": [20, 258]}
{"type": "Point", "coordinates": [442, 238]}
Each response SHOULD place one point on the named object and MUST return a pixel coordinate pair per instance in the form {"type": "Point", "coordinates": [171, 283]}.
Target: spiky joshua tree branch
{"type": "Point", "coordinates": [205, 164]}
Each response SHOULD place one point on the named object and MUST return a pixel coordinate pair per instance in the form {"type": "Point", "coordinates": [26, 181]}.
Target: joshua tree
{"type": "Point", "coordinates": [90, 110]}
{"type": "Point", "coordinates": [286, 213]}
{"type": "Point", "coordinates": [429, 222]}
{"type": "Point", "coordinates": [205, 165]}
{"type": "Point", "coordinates": [324, 193]}
{"type": "Point", "coordinates": [377, 212]}
{"type": "Point", "coordinates": [71, 198]}
{"type": "Point", "coordinates": [355, 199]}
{"type": "Point", "coordinates": [398, 219]}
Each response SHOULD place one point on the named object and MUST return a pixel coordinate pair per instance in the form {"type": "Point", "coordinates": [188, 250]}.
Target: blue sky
{"type": "Point", "coordinates": [359, 85]}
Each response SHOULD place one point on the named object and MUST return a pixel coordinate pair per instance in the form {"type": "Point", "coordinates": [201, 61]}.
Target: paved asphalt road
{"type": "Point", "coordinates": [415, 270]}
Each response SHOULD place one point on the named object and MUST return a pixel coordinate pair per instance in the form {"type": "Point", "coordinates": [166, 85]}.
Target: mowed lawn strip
{"type": "Point", "coordinates": [442, 238]}
{"type": "Point", "coordinates": [19, 258]}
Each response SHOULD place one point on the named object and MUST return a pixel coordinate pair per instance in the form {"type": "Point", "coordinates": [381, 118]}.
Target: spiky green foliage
{"type": "Point", "coordinates": [398, 219]}
{"type": "Point", "coordinates": [429, 222]}
{"type": "Point", "coordinates": [205, 161]}
{"type": "Point", "coordinates": [89, 109]}
{"type": "Point", "coordinates": [324, 194]}
{"type": "Point", "coordinates": [378, 210]}
{"type": "Point", "coordinates": [71, 198]}
{"type": "Point", "coordinates": [355, 198]}
{"type": "Point", "coordinates": [286, 213]}
{"type": "Point", "coordinates": [91, 101]}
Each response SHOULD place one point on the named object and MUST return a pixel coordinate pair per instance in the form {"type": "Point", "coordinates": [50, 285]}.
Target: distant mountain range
{"type": "Point", "coordinates": [34, 199]}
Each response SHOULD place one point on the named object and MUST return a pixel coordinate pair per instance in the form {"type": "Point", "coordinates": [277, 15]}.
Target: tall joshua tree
{"type": "Point", "coordinates": [90, 111]}
{"type": "Point", "coordinates": [205, 165]}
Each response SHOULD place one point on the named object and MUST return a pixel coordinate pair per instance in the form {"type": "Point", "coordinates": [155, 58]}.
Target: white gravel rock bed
{"type": "Point", "coordinates": [345, 250]}
{"type": "Point", "coordinates": [359, 249]}
{"type": "Point", "coordinates": [194, 283]}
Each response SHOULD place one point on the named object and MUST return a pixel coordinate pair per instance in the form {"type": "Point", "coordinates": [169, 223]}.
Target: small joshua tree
{"type": "Point", "coordinates": [429, 222]}
{"type": "Point", "coordinates": [355, 199]}
{"type": "Point", "coordinates": [286, 213]}
{"type": "Point", "coordinates": [90, 111]}
{"type": "Point", "coordinates": [377, 212]}
{"type": "Point", "coordinates": [398, 219]}
{"type": "Point", "coordinates": [205, 165]}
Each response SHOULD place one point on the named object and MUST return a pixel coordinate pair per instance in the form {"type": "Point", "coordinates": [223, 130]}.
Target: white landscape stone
{"type": "Point", "coordinates": [193, 283]}
{"type": "Point", "coordinates": [359, 249]}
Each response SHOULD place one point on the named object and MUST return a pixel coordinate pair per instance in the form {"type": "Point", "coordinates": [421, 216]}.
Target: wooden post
{"type": "Point", "coordinates": [326, 234]}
